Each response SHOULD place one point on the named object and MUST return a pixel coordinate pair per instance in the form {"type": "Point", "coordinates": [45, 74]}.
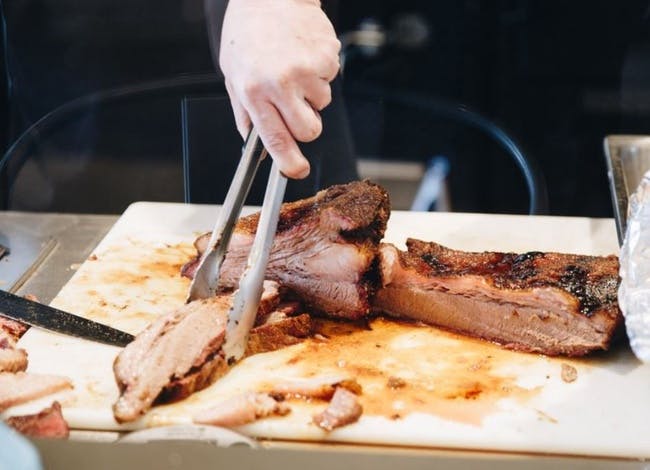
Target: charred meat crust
{"type": "Point", "coordinates": [361, 207]}
{"type": "Point", "coordinates": [592, 280]}
{"type": "Point", "coordinates": [266, 338]}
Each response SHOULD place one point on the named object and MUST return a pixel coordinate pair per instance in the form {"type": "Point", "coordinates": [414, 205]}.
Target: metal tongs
{"type": "Point", "coordinates": [241, 316]}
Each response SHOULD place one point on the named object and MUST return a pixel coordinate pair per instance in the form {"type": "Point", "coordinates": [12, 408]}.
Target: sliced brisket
{"type": "Point", "coordinates": [48, 423]}
{"type": "Point", "coordinates": [242, 409]}
{"type": "Point", "coordinates": [324, 249]}
{"type": "Point", "coordinates": [180, 353]}
{"type": "Point", "coordinates": [550, 303]}
{"type": "Point", "coordinates": [12, 359]}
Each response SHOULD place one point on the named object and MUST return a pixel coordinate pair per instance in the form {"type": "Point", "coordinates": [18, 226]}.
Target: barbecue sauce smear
{"type": "Point", "coordinates": [405, 368]}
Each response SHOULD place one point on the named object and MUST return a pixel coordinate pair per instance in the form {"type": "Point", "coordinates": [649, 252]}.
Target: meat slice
{"type": "Point", "coordinates": [177, 354]}
{"type": "Point", "coordinates": [22, 387]}
{"type": "Point", "coordinates": [242, 409]}
{"type": "Point", "coordinates": [48, 423]}
{"type": "Point", "coordinates": [324, 249]}
{"type": "Point", "coordinates": [344, 409]}
{"type": "Point", "coordinates": [550, 303]}
{"type": "Point", "coordinates": [278, 332]}
{"type": "Point", "coordinates": [321, 388]}
{"type": "Point", "coordinates": [13, 328]}
{"type": "Point", "coordinates": [12, 359]}
{"type": "Point", "coordinates": [180, 353]}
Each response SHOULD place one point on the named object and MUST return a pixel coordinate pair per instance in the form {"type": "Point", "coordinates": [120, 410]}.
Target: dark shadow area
{"type": "Point", "coordinates": [557, 76]}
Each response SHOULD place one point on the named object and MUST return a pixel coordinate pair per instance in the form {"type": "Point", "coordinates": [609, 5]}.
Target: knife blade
{"type": "Point", "coordinates": [50, 318]}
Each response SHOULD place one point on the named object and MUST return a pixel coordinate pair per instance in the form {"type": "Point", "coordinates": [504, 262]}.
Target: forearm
{"type": "Point", "coordinates": [215, 12]}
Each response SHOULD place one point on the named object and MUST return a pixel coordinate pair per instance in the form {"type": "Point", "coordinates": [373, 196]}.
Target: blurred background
{"type": "Point", "coordinates": [432, 88]}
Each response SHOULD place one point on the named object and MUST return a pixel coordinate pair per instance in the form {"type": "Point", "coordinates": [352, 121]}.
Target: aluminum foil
{"type": "Point", "coordinates": [634, 291]}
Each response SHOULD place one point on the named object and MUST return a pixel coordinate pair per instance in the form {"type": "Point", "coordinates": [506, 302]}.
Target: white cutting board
{"type": "Point", "coordinates": [460, 393]}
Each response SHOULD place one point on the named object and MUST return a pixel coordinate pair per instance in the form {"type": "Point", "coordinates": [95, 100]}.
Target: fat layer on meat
{"type": "Point", "coordinates": [22, 387]}
{"type": "Point", "coordinates": [551, 303]}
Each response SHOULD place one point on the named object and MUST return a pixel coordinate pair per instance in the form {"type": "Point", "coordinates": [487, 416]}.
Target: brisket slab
{"type": "Point", "coordinates": [49, 423]}
{"type": "Point", "coordinates": [180, 353]}
{"type": "Point", "coordinates": [324, 250]}
{"type": "Point", "coordinates": [550, 303]}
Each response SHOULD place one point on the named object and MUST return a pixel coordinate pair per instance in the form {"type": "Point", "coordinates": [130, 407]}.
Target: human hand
{"type": "Point", "coordinates": [278, 58]}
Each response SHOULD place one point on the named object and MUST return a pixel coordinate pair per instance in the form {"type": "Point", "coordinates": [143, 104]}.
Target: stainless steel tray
{"type": "Point", "coordinates": [628, 158]}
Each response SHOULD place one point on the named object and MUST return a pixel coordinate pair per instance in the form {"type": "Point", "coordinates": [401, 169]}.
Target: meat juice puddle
{"type": "Point", "coordinates": [130, 283]}
{"type": "Point", "coordinates": [408, 368]}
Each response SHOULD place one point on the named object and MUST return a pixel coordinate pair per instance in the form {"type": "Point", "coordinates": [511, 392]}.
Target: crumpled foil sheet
{"type": "Point", "coordinates": [634, 291]}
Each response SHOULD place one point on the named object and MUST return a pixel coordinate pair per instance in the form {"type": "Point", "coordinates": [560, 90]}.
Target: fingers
{"type": "Point", "coordinates": [318, 93]}
{"type": "Point", "coordinates": [278, 140]}
{"type": "Point", "coordinates": [301, 119]}
{"type": "Point", "coordinates": [242, 119]}
{"type": "Point", "coordinates": [327, 66]}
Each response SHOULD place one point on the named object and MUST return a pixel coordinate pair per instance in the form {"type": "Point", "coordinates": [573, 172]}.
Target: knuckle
{"type": "Point", "coordinates": [284, 81]}
{"type": "Point", "coordinates": [288, 77]}
{"type": "Point", "coordinates": [277, 140]}
{"type": "Point", "coordinates": [253, 89]}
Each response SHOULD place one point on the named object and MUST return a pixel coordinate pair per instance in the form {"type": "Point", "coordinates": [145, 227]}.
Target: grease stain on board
{"type": "Point", "coordinates": [405, 368]}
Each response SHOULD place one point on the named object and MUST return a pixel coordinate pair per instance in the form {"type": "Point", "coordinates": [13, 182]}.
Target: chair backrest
{"type": "Point", "coordinates": [103, 151]}
{"type": "Point", "coordinates": [422, 111]}
{"type": "Point", "coordinates": [212, 146]}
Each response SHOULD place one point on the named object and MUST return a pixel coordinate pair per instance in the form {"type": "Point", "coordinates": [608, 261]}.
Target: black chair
{"type": "Point", "coordinates": [451, 117]}
{"type": "Point", "coordinates": [211, 146]}
{"type": "Point", "coordinates": [101, 152]}
{"type": "Point", "coordinates": [171, 140]}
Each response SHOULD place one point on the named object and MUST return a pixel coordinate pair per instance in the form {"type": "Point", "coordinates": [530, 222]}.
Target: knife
{"type": "Point", "coordinates": [43, 316]}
